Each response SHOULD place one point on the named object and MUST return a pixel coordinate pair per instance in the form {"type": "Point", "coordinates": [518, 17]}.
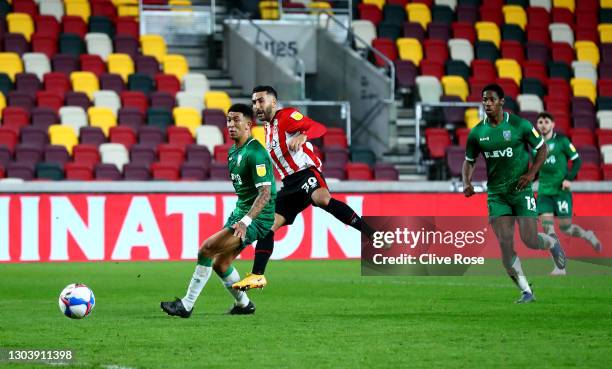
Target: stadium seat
{"type": "Point", "coordinates": [180, 136]}
{"type": "Point", "coordinates": [165, 100]}
{"type": "Point", "coordinates": [533, 86]}
{"type": "Point", "coordinates": [63, 135]}
{"type": "Point", "coordinates": [561, 32]}
{"type": "Point", "coordinates": [387, 48]}
{"type": "Point", "coordinates": [13, 116]}
{"type": "Point", "coordinates": [142, 154]}
{"type": "Point", "coordinates": [86, 154]}
{"type": "Point", "coordinates": [584, 87]}
{"type": "Point", "coordinates": [432, 68]}
{"type": "Point", "coordinates": [78, 171]}
{"type": "Point", "coordinates": [127, 26]}
{"type": "Point", "coordinates": [358, 172]}
{"type": "Point", "coordinates": [165, 171]}
{"type": "Point", "coordinates": [113, 153]}
{"type": "Point", "coordinates": [436, 51]}
{"type": "Point", "coordinates": [169, 153]}
{"type": "Point", "coordinates": [589, 172]}
{"type": "Point", "coordinates": [364, 30]}
{"type": "Point", "coordinates": [175, 64]}
{"type": "Point", "coordinates": [454, 85]}
{"type": "Point", "coordinates": [135, 99]}
{"type": "Point", "coordinates": [36, 63]}
{"type": "Point", "coordinates": [25, 171]}
{"type": "Point", "coordinates": [113, 82]}
{"type": "Point", "coordinates": [123, 135]}
{"type": "Point", "coordinates": [74, 25]}
{"type": "Point", "coordinates": [102, 117]}
{"type": "Point", "coordinates": [584, 69]}
{"type": "Point", "coordinates": [268, 10]}
{"type": "Point", "coordinates": [370, 12]}
{"type": "Point", "coordinates": [159, 117]}
{"type": "Point", "coordinates": [486, 50]}
{"type": "Point", "coordinates": [514, 14]}
{"type": "Point", "coordinates": [141, 83]}
{"type": "Point", "coordinates": [471, 117]}
{"type": "Point", "coordinates": [153, 45]}
{"type": "Point", "coordinates": [73, 116]}
{"type": "Point", "coordinates": [220, 153]}
{"type": "Point", "coordinates": [54, 8]}
{"type": "Point", "coordinates": [8, 137]}
{"type": "Point", "coordinates": [189, 99]}
{"type": "Point", "coordinates": [587, 51]}
{"type": "Point", "coordinates": [509, 68]}
{"type": "Point", "coordinates": [198, 154]}
{"type": "Point", "coordinates": [20, 23]}
{"type": "Point", "coordinates": [49, 171]}
{"type": "Point", "coordinates": [209, 136]}
{"type": "Point", "coordinates": [187, 117]}
{"type": "Point", "coordinates": [196, 83]}
{"type": "Point", "coordinates": [86, 82]}
{"type": "Point", "coordinates": [106, 172]}
{"type": "Point", "coordinates": [101, 24]}
{"type": "Point", "coordinates": [10, 64]}
{"type": "Point", "coordinates": [410, 49]}
{"type": "Point", "coordinates": [569, 4]}
{"type": "Point", "coordinates": [488, 31]}
{"type": "Point", "coordinates": [389, 30]}
{"type": "Point", "coordinates": [429, 88]}
{"type": "Point", "coordinates": [99, 44]}
{"type": "Point", "coordinates": [107, 99]}
{"type": "Point", "coordinates": [461, 49]}
{"type": "Point", "coordinates": [530, 103]}
{"type": "Point", "coordinates": [70, 44]}
{"type": "Point", "coordinates": [78, 8]}
{"type": "Point", "coordinates": [124, 44]}
{"type": "Point", "coordinates": [15, 43]}
{"type": "Point", "coordinates": [419, 13]}
{"type": "Point", "coordinates": [456, 68]}
{"type": "Point", "coordinates": [437, 139]}
{"type": "Point", "coordinates": [120, 64]}
{"type": "Point", "coordinates": [513, 50]}
{"type": "Point", "coordinates": [93, 64]}
{"type": "Point", "coordinates": [217, 100]}
{"type": "Point", "coordinates": [167, 83]}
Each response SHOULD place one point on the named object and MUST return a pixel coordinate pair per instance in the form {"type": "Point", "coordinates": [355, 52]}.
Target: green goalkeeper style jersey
{"type": "Point", "coordinates": [554, 170]}
{"type": "Point", "coordinates": [504, 148]}
{"type": "Point", "coordinates": [250, 167]}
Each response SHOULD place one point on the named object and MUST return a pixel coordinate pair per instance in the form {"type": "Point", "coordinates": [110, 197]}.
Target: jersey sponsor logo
{"type": "Point", "coordinates": [507, 135]}
{"type": "Point", "coordinates": [484, 138]}
{"type": "Point", "coordinates": [260, 169]}
{"type": "Point", "coordinates": [551, 160]}
{"type": "Point", "coordinates": [507, 153]}
{"type": "Point", "coordinates": [551, 146]}
{"type": "Point", "coordinates": [297, 115]}
{"type": "Point", "coordinates": [535, 132]}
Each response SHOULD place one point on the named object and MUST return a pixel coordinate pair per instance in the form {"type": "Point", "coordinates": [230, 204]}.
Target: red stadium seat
{"type": "Point", "coordinates": [358, 172]}
{"type": "Point", "coordinates": [9, 136]}
{"type": "Point", "coordinates": [166, 171]}
{"type": "Point", "coordinates": [509, 86]}
{"type": "Point", "coordinates": [167, 83]}
{"type": "Point", "coordinates": [483, 70]}
{"type": "Point", "coordinates": [25, 6]}
{"type": "Point", "coordinates": [587, 6]}
{"type": "Point", "coordinates": [558, 88]}
{"type": "Point", "coordinates": [124, 135]}
{"type": "Point", "coordinates": [127, 26]}
{"type": "Point", "coordinates": [589, 172]}
{"type": "Point", "coordinates": [582, 137]}
{"type": "Point", "coordinates": [604, 87]}
{"type": "Point", "coordinates": [536, 14]}
{"type": "Point", "coordinates": [490, 13]}
{"type": "Point", "coordinates": [92, 63]}
{"type": "Point", "coordinates": [335, 139]}
{"type": "Point", "coordinates": [180, 136]}
{"type": "Point", "coordinates": [511, 49]}
{"type": "Point", "coordinates": [78, 171]}
{"type": "Point", "coordinates": [221, 151]}
{"type": "Point", "coordinates": [57, 82]}
{"type": "Point", "coordinates": [370, 12]}
{"type": "Point", "coordinates": [134, 99]}
{"type": "Point", "coordinates": [562, 122]}
{"type": "Point", "coordinates": [535, 69]}
{"type": "Point", "coordinates": [74, 24]}
{"type": "Point", "coordinates": [170, 153]}
{"type": "Point", "coordinates": [604, 136]}
{"type": "Point", "coordinates": [437, 140]}
{"type": "Point", "coordinates": [86, 154]}
{"type": "Point", "coordinates": [556, 105]}
{"type": "Point", "coordinates": [436, 51]}
{"type": "Point", "coordinates": [462, 136]}
{"type": "Point", "coordinates": [13, 116]}
{"type": "Point", "coordinates": [432, 68]}
{"type": "Point", "coordinates": [563, 15]}
{"type": "Point", "coordinates": [607, 172]}
{"type": "Point", "coordinates": [586, 32]}
{"type": "Point", "coordinates": [387, 48]}
{"type": "Point", "coordinates": [104, 8]}
{"type": "Point", "coordinates": [465, 31]}
{"type": "Point", "coordinates": [587, 19]}
{"type": "Point", "coordinates": [43, 43]}
{"type": "Point", "coordinates": [47, 25]}
{"type": "Point", "coordinates": [49, 99]}
{"type": "Point", "coordinates": [538, 34]}
{"type": "Point", "coordinates": [562, 51]}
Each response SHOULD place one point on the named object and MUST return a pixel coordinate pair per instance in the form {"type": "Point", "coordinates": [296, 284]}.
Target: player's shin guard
{"type": "Point", "coordinates": [230, 277]}
{"type": "Point", "coordinates": [548, 226]}
{"type": "Point", "coordinates": [346, 215]}
{"type": "Point", "coordinates": [198, 281]}
{"type": "Point", "coordinates": [263, 251]}
{"type": "Point", "coordinates": [516, 273]}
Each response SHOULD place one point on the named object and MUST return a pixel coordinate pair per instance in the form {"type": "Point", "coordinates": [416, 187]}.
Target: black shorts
{"type": "Point", "coordinates": [296, 194]}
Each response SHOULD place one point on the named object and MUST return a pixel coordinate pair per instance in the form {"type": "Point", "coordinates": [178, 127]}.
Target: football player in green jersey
{"type": "Point", "coordinates": [251, 174]}
{"type": "Point", "coordinates": [554, 196]}
{"type": "Point", "coordinates": [502, 138]}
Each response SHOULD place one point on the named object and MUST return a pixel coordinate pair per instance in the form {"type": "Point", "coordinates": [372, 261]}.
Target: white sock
{"type": "Point", "coordinates": [520, 276]}
{"type": "Point", "coordinates": [198, 281]}
{"type": "Point", "coordinates": [241, 297]}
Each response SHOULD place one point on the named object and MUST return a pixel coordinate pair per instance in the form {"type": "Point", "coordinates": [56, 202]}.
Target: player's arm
{"type": "Point", "coordinates": [472, 150]}
{"type": "Point", "coordinates": [536, 141]}
{"type": "Point", "coordinates": [571, 153]}
{"type": "Point", "coordinates": [307, 128]}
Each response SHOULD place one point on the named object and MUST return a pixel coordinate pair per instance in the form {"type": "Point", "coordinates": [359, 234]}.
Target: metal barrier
{"type": "Point", "coordinates": [344, 106]}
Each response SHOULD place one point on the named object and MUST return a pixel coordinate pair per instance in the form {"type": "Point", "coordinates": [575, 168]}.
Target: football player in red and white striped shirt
{"type": "Point", "coordinates": [287, 134]}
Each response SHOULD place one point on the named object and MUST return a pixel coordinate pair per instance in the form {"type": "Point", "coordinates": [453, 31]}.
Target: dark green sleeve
{"type": "Point", "coordinates": [576, 163]}
{"type": "Point", "coordinates": [531, 135]}
{"type": "Point", "coordinates": [472, 148]}
{"type": "Point", "coordinates": [570, 151]}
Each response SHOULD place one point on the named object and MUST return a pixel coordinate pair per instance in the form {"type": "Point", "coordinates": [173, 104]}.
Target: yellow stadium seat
{"type": "Point", "coordinates": [378, 3]}
{"type": "Point", "coordinates": [102, 117]}
{"type": "Point", "coordinates": [127, 11]}
{"type": "Point", "coordinates": [121, 64]}
{"type": "Point", "coordinates": [471, 117]}
{"type": "Point", "coordinates": [410, 49]}
{"type": "Point", "coordinates": [20, 23]}
{"type": "Point", "coordinates": [605, 33]}
{"type": "Point", "coordinates": [606, 4]}
{"type": "Point", "coordinates": [455, 85]}
{"type": "Point", "coordinates": [585, 88]}
{"type": "Point", "coordinates": [587, 51]}
{"type": "Point", "coordinates": [514, 14]}
{"type": "Point", "coordinates": [269, 10]}
{"type": "Point", "coordinates": [180, 2]}
{"type": "Point", "coordinates": [217, 100]}
{"type": "Point", "coordinates": [570, 4]}
{"type": "Point", "coordinates": [78, 8]}
{"type": "Point", "coordinates": [10, 63]}
{"type": "Point", "coordinates": [419, 13]}
{"type": "Point", "coordinates": [187, 117]}
{"type": "Point", "coordinates": [175, 64]}
{"type": "Point", "coordinates": [259, 133]}
{"type": "Point", "coordinates": [124, 2]}
{"type": "Point", "coordinates": [488, 31]}
{"type": "Point", "coordinates": [319, 5]}
{"type": "Point", "coordinates": [63, 135]}
{"type": "Point", "coordinates": [153, 45]}
{"type": "Point", "coordinates": [509, 68]}
{"type": "Point", "coordinates": [2, 103]}
{"type": "Point", "coordinates": [86, 82]}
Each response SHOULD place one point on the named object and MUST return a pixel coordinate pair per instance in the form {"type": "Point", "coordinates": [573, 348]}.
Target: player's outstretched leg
{"type": "Point", "coordinates": [229, 275]}
{"type": "Point", "coordinates": [548, 225]}
{"type": "Point", "coordinates": [566, 226]}
{"type": "Point", "coordinates": [344, 213]}
{"type": "Point", "coordinates": [504, 231]}
{"type": "Point", "coordinates": [528, 227]}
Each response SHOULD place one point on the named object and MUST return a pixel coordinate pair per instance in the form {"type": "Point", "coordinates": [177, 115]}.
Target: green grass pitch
{"type": "Point", "coordinates": [313, 314]}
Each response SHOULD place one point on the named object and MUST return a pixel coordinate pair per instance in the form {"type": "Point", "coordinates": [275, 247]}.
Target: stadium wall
{"type": "Point", "coordinates": [76, 221]}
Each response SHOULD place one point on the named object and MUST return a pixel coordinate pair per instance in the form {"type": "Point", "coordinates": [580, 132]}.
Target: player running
{"type": "Point", "coordinates": [554, 195]}
{"type": "Point", "coordinates": [502, 138]}
{"type": "Point", "coordinates": [287, 134]}
{"type": "Point", "coordinates": [251, 174]}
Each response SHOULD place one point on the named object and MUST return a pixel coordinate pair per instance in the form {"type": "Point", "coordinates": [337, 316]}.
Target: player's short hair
{"type": "Point", "coordinates": [267, 89]}
{"type": "Point", "coordinates": [494, 87]}
{"type": "Point", "coordinates": [246, 110]}
{"type": "Point", "coordinates": [545, 115]}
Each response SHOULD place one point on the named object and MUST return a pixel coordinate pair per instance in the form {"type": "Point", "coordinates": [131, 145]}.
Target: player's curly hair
{"type": "Point", "coordinates": [246, 110]}
{"type": "Point", "coordinates": [494, 87]}
{"type": "Point", "coordinates": [545, 115]}
{"type": "Point", "coordinates": [267, 89]}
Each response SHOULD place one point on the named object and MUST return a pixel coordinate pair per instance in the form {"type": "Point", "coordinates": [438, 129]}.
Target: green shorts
{"type": "Point", "coordinates": [520, 204]}
{"type": "Point", "coordinates": [560, 204]}
{"type": "Point", "coordinates": [257, 230]}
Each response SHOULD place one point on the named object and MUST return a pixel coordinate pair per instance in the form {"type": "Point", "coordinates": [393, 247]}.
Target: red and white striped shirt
{"type": "Point", "coordinates": [286, 124]}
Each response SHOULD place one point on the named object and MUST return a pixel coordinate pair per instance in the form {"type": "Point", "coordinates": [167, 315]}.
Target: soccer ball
{"type": "Point", "coordinates": [76, 301]}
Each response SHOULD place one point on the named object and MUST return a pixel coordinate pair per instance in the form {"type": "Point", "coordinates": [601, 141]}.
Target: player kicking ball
{"type": "Point", "coordinates": [554, 195]}
{"type": "Point", "coordinates": [287, 134]}
{"type": "Point", "coordinates": [503, 138]}
{"type": "Point", "coordinates": [251, 175]}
